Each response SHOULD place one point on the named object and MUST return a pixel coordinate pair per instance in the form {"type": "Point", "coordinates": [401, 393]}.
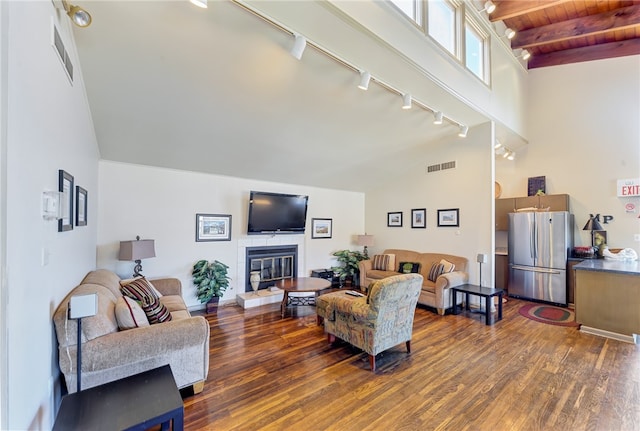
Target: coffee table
{"type": "Point", "coordinates": [485, 292]}
{"type": "Point", "coordinates": [137, 402]}
{"type": "Point", "coordinates": [301, 285]}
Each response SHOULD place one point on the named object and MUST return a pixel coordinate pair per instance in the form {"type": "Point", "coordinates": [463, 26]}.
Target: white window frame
{"type": "Point", "coordinates": [457, 31]}
{"type": "Point", "coordinates": [484, 37]}
{"type": "Point", "coordinates": [418, 12]}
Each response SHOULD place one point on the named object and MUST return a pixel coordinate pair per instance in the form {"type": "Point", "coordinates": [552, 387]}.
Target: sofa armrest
{"type": "Point", "coordinates": [451, 279]}
{"type": "Point", "coordinates": [363, 267]}
{"type": "Point", "coordinates": [167, 286]}
{"type": "Point", "coordinates": [136, 345]}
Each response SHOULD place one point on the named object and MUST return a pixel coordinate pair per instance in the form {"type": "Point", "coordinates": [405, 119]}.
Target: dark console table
{"type": "Point", "coordinates": [485, 292]}
{"type": "Point", "coordinates": [137, 402]}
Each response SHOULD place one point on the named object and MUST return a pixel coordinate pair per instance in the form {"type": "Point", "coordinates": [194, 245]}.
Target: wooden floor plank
{"type": "Point", "coordinates": [273, 373]}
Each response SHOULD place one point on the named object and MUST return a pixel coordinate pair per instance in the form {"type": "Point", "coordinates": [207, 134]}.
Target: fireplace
{"type": "Point", "coordinates": [274, 263]}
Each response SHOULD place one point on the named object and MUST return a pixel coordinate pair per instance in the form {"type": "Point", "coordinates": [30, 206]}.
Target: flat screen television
{"type": "Point", "coordinates": [276, 213]}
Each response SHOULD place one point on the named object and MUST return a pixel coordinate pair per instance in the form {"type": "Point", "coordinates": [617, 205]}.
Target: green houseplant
{"type": "Point", "coordinates": [211, 281]}
{"type": "Point", "coordinates": [349, 264]}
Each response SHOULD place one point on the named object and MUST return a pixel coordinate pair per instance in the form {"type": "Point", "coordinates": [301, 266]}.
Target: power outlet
{"type": "Point", "coordinates": [636, 237]}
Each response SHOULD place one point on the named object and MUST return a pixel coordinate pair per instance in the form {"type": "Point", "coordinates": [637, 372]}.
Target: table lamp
{"type": "Point", "coordinates": [366, 241]}
{"type": "Point", "coordinates": [136, 251]}
{"type": "Point", "coordinates": [81, 306]}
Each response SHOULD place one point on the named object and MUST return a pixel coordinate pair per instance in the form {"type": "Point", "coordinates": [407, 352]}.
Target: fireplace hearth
{"type": "Point", "coordinates": [274, 263]}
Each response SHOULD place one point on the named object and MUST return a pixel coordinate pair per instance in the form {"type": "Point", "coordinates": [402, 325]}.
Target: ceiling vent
{"type": "Point", "coordinates": [63, 55]}
{"type": "Point", "coordinates": [441, 167]}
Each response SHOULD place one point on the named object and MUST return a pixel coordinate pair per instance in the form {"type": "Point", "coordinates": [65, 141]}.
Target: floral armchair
{"type": "Point", "coordinates": [377, 322]}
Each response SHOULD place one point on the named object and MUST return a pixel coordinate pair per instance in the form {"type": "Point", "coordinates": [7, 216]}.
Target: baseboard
{"type": "Point", "coordinates": [633, 339]}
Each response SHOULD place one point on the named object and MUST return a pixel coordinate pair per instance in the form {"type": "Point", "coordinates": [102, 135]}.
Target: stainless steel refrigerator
{"type": "Point", "coordinates": [539, 245]}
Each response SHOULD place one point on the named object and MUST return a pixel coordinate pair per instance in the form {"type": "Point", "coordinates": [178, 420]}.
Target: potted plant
{"type": "Point", "coordinates": [211, 281]}
{"type": "Point", "coordinates": [349, 269]}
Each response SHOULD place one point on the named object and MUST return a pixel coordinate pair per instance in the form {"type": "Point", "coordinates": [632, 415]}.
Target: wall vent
{"type": "Point", "coordinates": [448, 165]}
{"type": "Point", "coordinates": [63, 55]}
{"type": "Point", "coordinates": [433, 168]}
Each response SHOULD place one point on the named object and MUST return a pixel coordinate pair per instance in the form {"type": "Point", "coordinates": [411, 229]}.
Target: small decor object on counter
{"type": "Point", "coordinates": [584, 252]}
{"type": "Point", "coordinates": [211, 281]}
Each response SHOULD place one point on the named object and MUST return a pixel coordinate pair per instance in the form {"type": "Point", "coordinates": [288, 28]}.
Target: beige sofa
{"type": "Point", "coordinates": [109, 353]}
{"type": "Point", "coordinates": [432, 294]}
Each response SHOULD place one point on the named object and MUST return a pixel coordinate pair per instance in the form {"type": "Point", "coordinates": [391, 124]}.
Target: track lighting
{"type": "Point", "coordinates": [463, 131]}
{"type": "Point", "coordinates": [298, 46]}
{"type": "Point", "coordinates": [512, 155]}
{"type": "Point", "coordinates": [510, 33]}
{"type": "Point", "coordinates": [525, 55]}
{"type": "Point", "coordinates": [437, 117]}
{"type": "Point", "coordinates": [406, 101]}
{"type": "Point", "coordinates": [506, 154]}
{"type": "Point", "coordinates": [497, 145]}
{"type": "Point", "coordinates": [365, 77]}
{"type": "Point", "coordinates": [200, 3]}
{"type": "Point", "coordinates": [489, 7]}
{"type": "Point", "coordinates": [78, 15]}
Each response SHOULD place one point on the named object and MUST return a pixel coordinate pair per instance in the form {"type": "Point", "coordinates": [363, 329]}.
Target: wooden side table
{"type": "Point", "coordinates": [137, 402]}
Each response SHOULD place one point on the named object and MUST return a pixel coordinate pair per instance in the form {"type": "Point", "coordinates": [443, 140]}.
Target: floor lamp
{"type": "Point", "coordinates": [81, 306]}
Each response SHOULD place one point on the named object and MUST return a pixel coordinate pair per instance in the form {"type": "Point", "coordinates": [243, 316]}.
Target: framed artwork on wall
{"type": "Point", "coordinates": [65, 186]}
{"type": "Point", "coordinates": [394, 219]}
{"type": "Point", "coordinates": [81, 206]}
{"type": "Point", "coordinates": [419, 218]}
{"type": "Point", "coordinates": [449, 217]}
{"type": "Point", "coordinates": [321, 228]}
{"type": "Point", "coordinates": [213, 227]}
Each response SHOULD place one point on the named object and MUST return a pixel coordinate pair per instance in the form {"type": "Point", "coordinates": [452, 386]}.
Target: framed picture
{"type": "Point", "coordinates": [321, 228]}
{"type": "Point", "coordinates": [65, 185]}
{"type": "Point", "coordinates": [449, 217]}
{"type": "Point", "coordinates": [419, 218]}
{"type": "Point", "coordinates": [213, 227]}
{"type": "Point", "coordinates": [81, 206]}
{"type": "Point", "coordinates": [394, 219]}
{"type": "Point", "coordinates": [598, 238]}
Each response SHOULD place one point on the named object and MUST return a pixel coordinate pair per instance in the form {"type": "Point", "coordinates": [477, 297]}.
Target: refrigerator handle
{"type": "Point", "coordinates": [532, 250]}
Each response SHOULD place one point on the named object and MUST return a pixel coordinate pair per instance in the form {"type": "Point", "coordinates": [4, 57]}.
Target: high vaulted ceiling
{"type": "Point", "coordinates": [559, 32]}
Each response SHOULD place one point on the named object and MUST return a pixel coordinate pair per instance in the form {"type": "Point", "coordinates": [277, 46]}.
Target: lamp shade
{"type": "Point", "coordinates": [365, 240]}
{"type": "Point", "coordinates": [137, 250]}
{"type": "Point", "coordinates": [592, 224]}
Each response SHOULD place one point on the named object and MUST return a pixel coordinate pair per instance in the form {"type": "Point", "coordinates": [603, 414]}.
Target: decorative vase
{"type": "Point", "coordinates": [212, 305]}
{"type": "Point", "coordinates": [254, 278]}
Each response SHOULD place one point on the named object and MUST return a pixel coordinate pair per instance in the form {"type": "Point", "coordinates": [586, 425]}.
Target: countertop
{"type": "Point", "coordinates": [501, 251]}
{"type": "Point", "coordinates": [607, 265]}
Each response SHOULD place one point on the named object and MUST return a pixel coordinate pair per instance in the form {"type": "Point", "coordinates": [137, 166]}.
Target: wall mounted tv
{"type": "Point", "coordinates": [276, 213]}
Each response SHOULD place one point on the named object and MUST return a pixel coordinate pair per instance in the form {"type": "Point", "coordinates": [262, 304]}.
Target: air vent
{"type": "Point", "coordinates": [433, 168]}
{"type": "Point", "coordinates": [441, 167]}
{"type": "Point", "coordinates": [63, 55]}
{"type": "Point", "coordinates": [448, 165]}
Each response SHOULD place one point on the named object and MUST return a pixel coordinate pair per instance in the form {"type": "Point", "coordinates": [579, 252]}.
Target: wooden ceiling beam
{"type": "Point", "coordinates": [618, 19]}
{"type": "Point", "coordinates": [510, 9]}
{"type": "Point", "coordinates": [587, 53]}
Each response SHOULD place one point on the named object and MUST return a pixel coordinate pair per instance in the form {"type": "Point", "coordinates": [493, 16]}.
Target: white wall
{"type": "Point", "coordinates": [161, 204]}
{"type": "Point", "coordinates": [48, 128]}
{"type": "Point", "coordinates": [584, 136]}
{"type": "Point", "coordinates": [468, 187]}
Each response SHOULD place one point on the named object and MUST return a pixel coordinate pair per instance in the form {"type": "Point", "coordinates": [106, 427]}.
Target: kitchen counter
{"type": "Point", "coordinates": [607, 298]}
{"type": "Point", "coordinates": [501, 251]}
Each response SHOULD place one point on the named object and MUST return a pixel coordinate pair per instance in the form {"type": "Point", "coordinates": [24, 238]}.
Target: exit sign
{"type": "Point", "coordinates": [629, 187]}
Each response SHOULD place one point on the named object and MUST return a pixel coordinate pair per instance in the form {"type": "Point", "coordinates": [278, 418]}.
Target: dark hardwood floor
{"type": "Point", "coordinates": [270, 373]}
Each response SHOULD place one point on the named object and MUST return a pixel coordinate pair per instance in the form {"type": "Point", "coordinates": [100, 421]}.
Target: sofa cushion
{"type": "Point", "coordinates": [383, 262]}
{"type": "Point", "coordinates": [141, 292]}
{"type": "Point", "coordinates": [409, 267]}
{"type": "Point", "coordinates": [173, 303]}
{"type": "Point", "coordinates": [153, 288]}
{"type": "Point", "coordinates": [377, 275]}
{"type": "Point", "coordinates": [104, 278]}
{"type": "Point", "coordinates": [435, 271]}
{"type": "Point", "coordinates": [129, 314]}
{"type": "Point", "coordinates": [448, 266]}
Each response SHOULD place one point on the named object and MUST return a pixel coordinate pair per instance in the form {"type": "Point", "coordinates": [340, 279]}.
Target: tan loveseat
{"type": "Point", "coordinates": [433, 294]}
{"type": "Point", "coordinates": [109, 353]}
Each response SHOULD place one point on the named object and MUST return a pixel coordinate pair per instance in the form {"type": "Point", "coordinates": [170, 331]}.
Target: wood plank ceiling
{"type": "Point", "coordinates": [559, 32]}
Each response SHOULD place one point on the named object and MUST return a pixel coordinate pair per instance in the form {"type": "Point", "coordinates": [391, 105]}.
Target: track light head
{"type": "Point", "coordinates": [200, 3]}
{"type": "Point", "coordinates": [489, 7]}
{"type": "Point", "coordinates": [463, 131]}
{"type": "Point", "coordinates": [497, 145]}
{"type": "Point", "coordinates": [525, 55]}
{"type": "Point", "coordinates": [365, 77]}
{"type": "Point", "coordinates": [510, 33]}
{"type": "Point", "coordinates": [299, 46]}
{"type": "Point", "coordinates": [437, 117]}
{"type": "Point", "coordinates": [512, 155]}
{"type": "Point", "coordinates": [406, 101]}
{"type": "Point", "coordinates": [78, 15]}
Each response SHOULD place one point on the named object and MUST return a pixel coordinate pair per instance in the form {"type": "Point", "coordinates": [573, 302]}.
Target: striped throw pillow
{"type": "Point", "coordinates": [380, 262]}
{"type": "Point", "coordinates": [435, 271]}
{"type": "Point", "coordinates": [140, 291]}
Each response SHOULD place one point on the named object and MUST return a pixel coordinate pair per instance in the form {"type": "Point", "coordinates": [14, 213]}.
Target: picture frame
{"type": "Point", "coordinates": [598, 238]}
{"type": "Point", "coordinates": [449, 217]}
{"type": "Point", "coordinates": [321, 228]}
{"type": "Point", "coordinates": [65, 186]}
{"type": "Point", "coordinates": [81, 206]}
{"type": "Point", "coordinates": [213, 227]}
{"type": "Point", "coordinates": [394, 219]}
{"type": "Point", "coordinates": [419, 218]}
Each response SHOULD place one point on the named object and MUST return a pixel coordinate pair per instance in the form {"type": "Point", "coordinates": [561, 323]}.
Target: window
{"type": "Point", "coordinates": [411, 8]}
{"type": "Point", "coordinates": [474, 44]}
{"type": "Point", "coordinates": [441, 24]}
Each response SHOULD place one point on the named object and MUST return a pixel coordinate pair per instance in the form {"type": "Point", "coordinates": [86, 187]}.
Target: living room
{"type": "Point", "coordinates": [580, 145]}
